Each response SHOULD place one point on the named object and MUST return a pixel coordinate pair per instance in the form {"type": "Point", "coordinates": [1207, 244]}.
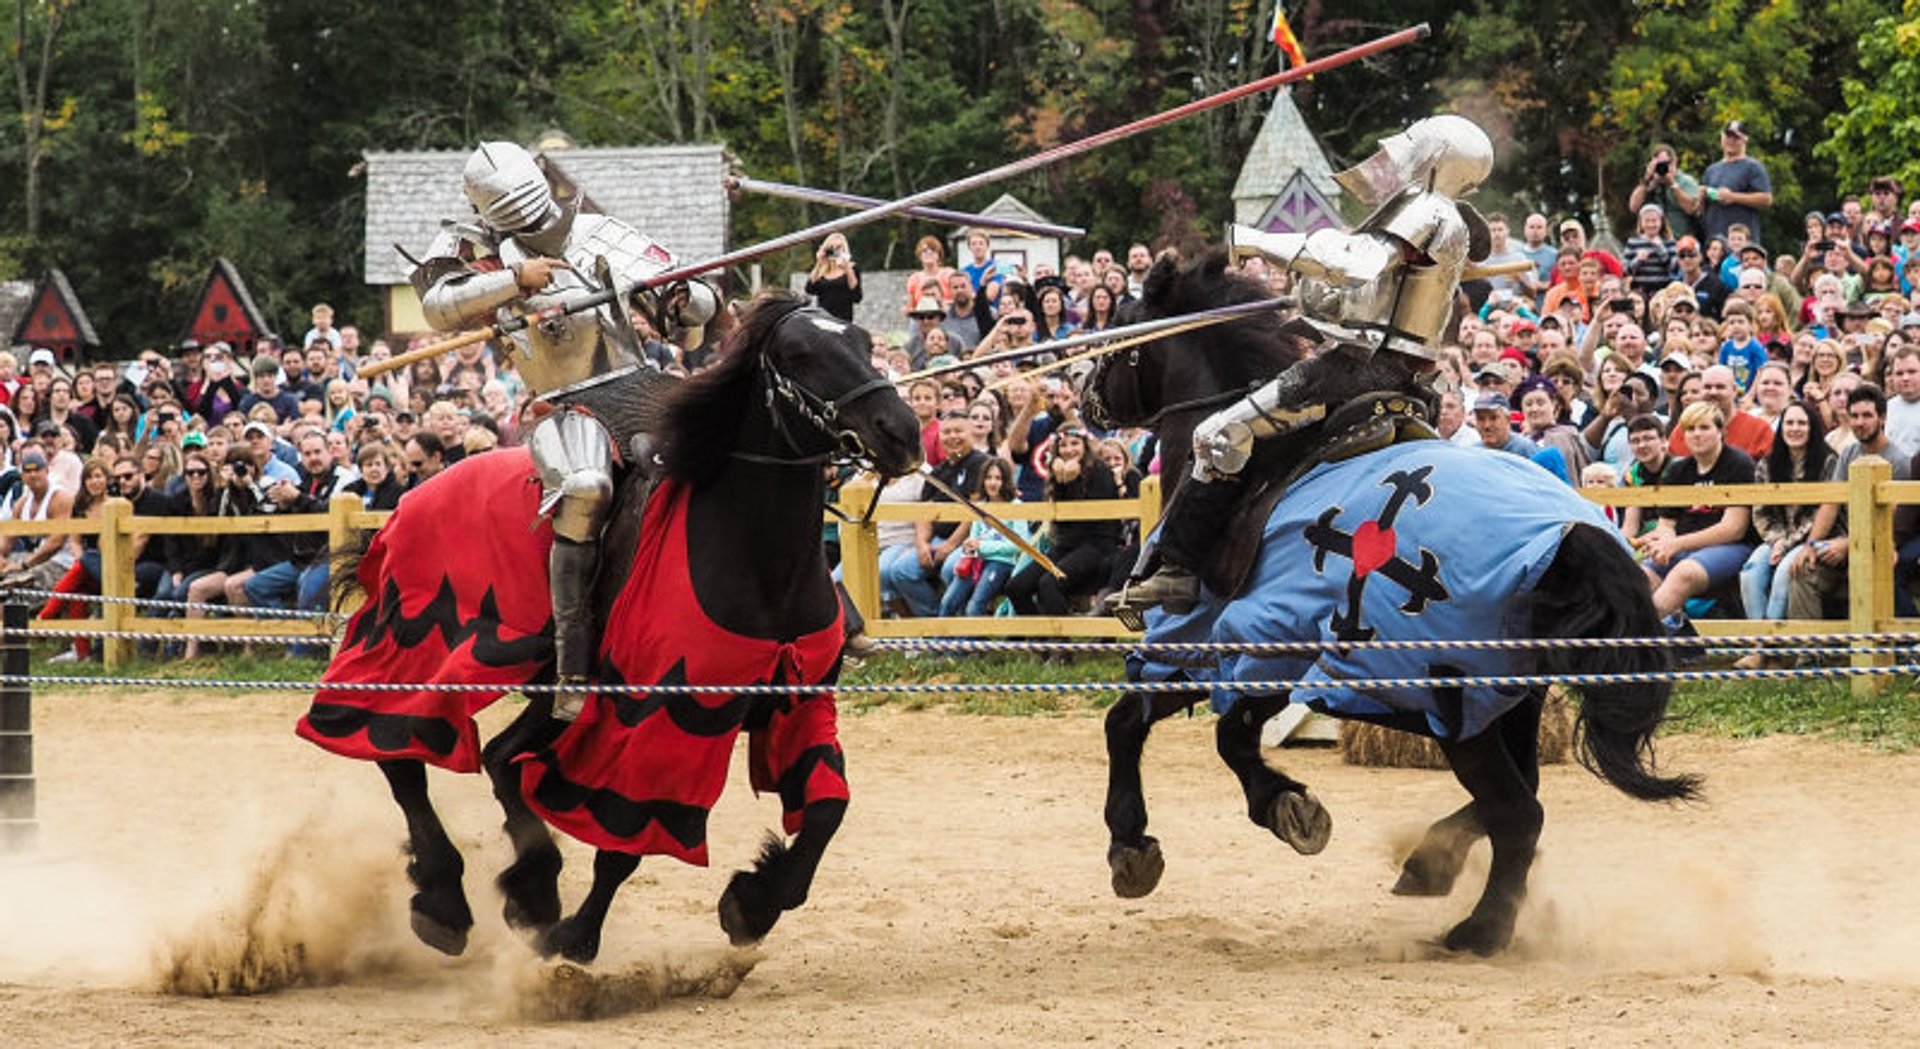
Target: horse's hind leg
{"type": "Point", "coordinates": [439, 912]}
{"type": "Point", "coordinates": [1433, 865]}
{"type": "Point", "coordinates": [1502, 783]}
{"type": "Point", "coordinates": [577, 938]}
{"type": "Point", "coordinates": [1274, 800]}
{"type": "Point", "coordinates": [531, 883]}
{"type": "Point", "coordinates": [1132, 854]}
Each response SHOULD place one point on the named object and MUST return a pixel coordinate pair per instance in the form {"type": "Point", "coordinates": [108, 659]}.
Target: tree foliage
{"type": "Point", "coordinates": [1873, 131]}
{"type": "Point", "coordinates": [149, 136]}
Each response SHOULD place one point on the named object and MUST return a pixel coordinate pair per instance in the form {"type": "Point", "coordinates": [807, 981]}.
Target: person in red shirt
{"type": "Point", "coordinates": [1745, 431]}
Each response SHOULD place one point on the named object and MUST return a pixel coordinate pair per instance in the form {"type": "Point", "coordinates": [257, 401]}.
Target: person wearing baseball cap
{"type": "Point", "coordinates": [1737, 187]}
{"type": "Point", "coordinates": [1493, 421]}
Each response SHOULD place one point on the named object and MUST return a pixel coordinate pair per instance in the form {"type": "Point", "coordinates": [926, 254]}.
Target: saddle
{"type": "Point", "coordinates": [1365, 424]}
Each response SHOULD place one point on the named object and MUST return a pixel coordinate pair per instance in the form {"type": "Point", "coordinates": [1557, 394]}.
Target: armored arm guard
{"type": "Point", "coordinates": [1348, 259]}
{"type": "Point", "coordinates": [454, 293]}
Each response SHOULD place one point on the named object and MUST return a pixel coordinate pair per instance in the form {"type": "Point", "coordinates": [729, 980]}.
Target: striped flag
{"type": "Point", "coordinates": [1283, 37]}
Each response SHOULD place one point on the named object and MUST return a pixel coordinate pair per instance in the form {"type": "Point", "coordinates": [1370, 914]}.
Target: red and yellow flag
{"type": "Point", "coordinates": [1283, 37]}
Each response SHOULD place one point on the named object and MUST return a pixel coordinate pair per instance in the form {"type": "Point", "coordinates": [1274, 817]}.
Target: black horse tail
{"type": "Point", "coordinates": [1594, 589]}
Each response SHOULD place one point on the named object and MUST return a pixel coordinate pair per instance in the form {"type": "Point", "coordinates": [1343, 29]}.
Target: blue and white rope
{"type": "Point", "coordinates": [1016, 688]}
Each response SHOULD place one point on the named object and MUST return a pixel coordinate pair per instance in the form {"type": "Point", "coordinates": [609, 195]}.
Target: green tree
{"type": "Point", "coordinates": [1872, 132]}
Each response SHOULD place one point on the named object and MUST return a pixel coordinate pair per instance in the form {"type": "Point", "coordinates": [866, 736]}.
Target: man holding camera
{"type": "Point", "coordinates": [1663, 183]}
{"type": "Point", "coordinates": [1737, 188]}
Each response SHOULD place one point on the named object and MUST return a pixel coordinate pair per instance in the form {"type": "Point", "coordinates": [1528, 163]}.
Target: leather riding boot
{"type": "Point", "coordinates": [1193, 522]}
{"type": "Point", "coordinates": [571, 570]}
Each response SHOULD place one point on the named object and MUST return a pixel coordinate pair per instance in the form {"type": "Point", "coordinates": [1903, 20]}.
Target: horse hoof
{"type": "Point", "coordinates": [1481, 936]}
{"type": "Point", "coordinates": [531, 886]}
{"type": "Point", "coordinates": [441, 937]}
{"type": "Point", "coordinates": [1300, 821]}
{"type": "Point", "coordinates": [1136, 871]}
{"type": "Point", "coordinates": [747, 910]}
{"type": "Point", "coordinates": [570, 939]}
{"type": "Point", "coordinates": [1420, 877]}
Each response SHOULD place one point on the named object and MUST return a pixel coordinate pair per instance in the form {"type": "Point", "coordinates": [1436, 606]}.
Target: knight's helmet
{"type": "Point", "coordinates": [508, 188]}
{"type": "Point", "coordinates": [1449, 154]}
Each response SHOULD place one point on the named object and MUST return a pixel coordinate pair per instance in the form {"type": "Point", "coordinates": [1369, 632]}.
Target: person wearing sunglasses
{"type": "Point", "coordinates": [186, 558]}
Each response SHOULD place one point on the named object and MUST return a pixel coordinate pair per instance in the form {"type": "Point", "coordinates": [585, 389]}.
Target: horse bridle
{"type": "Point", "coordinates": [1132, 361]}
{"type": "Point", "coordinates": [822, 414]}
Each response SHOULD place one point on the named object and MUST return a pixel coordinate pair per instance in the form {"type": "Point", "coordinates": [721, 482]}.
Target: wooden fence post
{"type": "Point", "coordinates": [341, 534]}
{"type": "Point", "coordinates": [116, 571]}
{"type": "Point", "coordinates": [1869, 555]}
{"type": "Point", "coordinates": [860, 549]}
{"type": "Point", "coordinates": [1150, 504]}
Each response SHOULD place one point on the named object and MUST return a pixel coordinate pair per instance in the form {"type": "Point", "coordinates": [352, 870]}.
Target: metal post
{"type": "Point", "coordinates": [19, 825]}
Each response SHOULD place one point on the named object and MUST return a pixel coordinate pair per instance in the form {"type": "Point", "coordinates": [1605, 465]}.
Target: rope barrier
{"type": "Point", "coordinates": [1282, 648]}
{"type": "Point", "coordinates": [1506, 681]}
{"type": "Point", "coordinates": [153, 635]}
{"type": "Point", "coordinates": [1197, 653]}
{"type": "Point", "coordinates": [252, 611]}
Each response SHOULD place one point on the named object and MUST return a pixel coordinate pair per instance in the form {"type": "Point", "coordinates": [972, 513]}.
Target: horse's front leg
{"type": "Point", "coordinates": [531, 884]}
{"type": "Point", "coordinates": [1274, 800]}
{"type": "Point", "coordinates": [795, 751]}
{"type": "Point", "coordinates": [438, 912]}
{"type": "Point", "coordinates": [1502, 783]}
{"type": "Point", "coordinates": [1133, 855]}
{"type": "Point", "coordinates": [781, 876]}
{"type": "Point", "coordinates": [577, 938]}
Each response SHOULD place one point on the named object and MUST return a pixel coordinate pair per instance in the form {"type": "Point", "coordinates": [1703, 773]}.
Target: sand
{"type": "Point", "coordinates": [203, 877]}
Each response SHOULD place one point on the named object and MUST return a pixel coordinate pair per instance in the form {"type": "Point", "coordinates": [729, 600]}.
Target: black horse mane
{"type": "Point", "coordinates": [697, 423]}
{"type": "Point", "coordinates": [1206, 284]}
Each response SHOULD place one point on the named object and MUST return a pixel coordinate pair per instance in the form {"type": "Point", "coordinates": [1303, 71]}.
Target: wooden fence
{"type": "Point", "coordinates": [1869, 493]}
{"type": "Point", "coordinates": [117, 526]}
{"type": "Point", "coordinates": [860, 554]}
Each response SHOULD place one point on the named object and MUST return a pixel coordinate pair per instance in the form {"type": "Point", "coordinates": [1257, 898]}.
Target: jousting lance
{"type": "Point", "coordinates": [1108, 339]}
{"type": "Point", "coordinates": [926, 196]}
{"type": "Point", "coordinates": [853, 200]}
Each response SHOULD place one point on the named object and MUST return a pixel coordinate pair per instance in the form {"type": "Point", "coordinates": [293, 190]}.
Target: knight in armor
{"type": "Point", "coordinates": [529, 251]}
{"type": "Point", "coordinates": [1382, 293]}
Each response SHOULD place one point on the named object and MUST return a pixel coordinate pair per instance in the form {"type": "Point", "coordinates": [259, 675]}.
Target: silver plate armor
{"type": "Point", "coordinates": [1389, 284]}
{"type": "Point", "coordinates": [575, 459]}
{"type": "Point", "coordinates": [519, 220]}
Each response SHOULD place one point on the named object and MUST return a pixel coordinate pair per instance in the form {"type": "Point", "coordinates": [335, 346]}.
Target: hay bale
{"type": "Point", "coordinates": [1376, 747]}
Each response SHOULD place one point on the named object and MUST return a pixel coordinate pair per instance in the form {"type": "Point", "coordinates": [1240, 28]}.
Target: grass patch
{"type": "Point", "coordinates": [1825, 707]}
{"type": "Point", "coordinates": [270, 664]}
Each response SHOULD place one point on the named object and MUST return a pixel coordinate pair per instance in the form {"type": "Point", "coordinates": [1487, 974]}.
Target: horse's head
{"type": "Point", "coordinates": [795, 384]}
{"type": "Point", "coordinates": [1140, 385]}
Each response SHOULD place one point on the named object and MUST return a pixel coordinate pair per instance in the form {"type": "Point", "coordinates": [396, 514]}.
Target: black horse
{"type": "Point", "coordinates": [746, 440]}
{"type": "Point", "coordinates": [1591, 589]}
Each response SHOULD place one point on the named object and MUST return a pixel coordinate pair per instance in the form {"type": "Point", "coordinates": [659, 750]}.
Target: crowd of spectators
{"type": "Point", "coordinates": [277, 427]}
{"type": "Point", "coordinates": [1694, 355]}
{"type": "Point", "coordinates": [1006, 432]}
{"type": "Point", "coordinates": [1690, 354]}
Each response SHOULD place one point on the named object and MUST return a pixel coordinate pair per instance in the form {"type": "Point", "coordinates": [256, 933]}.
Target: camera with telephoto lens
{"type": "Point", "coordinates": [1662, 168]}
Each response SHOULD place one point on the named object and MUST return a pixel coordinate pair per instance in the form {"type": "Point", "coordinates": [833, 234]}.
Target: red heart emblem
{"type": "Point", "coordinates": [1373, 546]}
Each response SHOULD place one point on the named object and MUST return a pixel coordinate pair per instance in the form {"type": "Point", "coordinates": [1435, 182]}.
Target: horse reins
{"type": "Point", "coordinates": [822, 413]}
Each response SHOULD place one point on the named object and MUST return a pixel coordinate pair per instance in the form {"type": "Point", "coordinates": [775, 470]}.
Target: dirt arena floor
{"type": "Point", "coordinates": [192, 847]}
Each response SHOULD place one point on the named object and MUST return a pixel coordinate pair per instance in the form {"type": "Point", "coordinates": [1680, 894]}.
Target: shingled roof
{"type": "Point", "coordinates": [1285, 145]}
{"type": "Point", "coordinates": [671, 193]}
